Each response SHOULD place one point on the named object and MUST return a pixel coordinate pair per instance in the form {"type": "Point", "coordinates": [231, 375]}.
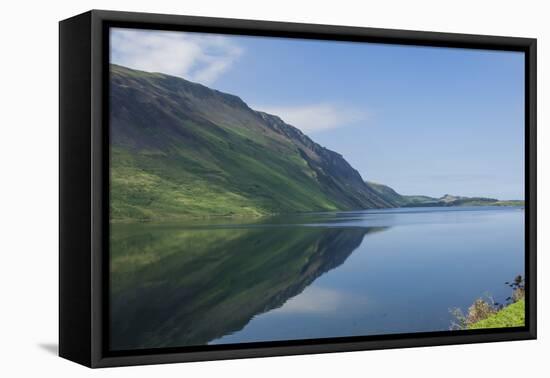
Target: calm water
{"type": "Point", "coordinates": [309, 276]}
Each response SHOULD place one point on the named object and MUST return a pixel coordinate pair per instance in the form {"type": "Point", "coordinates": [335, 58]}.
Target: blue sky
{"type": "Point", "coordinates": [422, 120]}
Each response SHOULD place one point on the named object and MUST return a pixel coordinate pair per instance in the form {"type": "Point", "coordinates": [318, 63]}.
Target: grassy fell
{"type": "Point", "coordinates": [181, 150]}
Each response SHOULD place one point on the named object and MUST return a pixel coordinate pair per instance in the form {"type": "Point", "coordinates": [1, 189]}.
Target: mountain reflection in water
{"type": "Point", "coordinates": [307, 276]}
{"type": "Point", "coordinates": [173, 286]}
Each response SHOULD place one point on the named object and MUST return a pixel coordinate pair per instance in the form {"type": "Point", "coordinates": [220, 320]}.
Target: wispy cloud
{"type": "Point", "coordinates": [313, 118]}
{"type": "Point", "coordinates": [196, 57]}
{"type": "Point", "coordinates": [317, 299]}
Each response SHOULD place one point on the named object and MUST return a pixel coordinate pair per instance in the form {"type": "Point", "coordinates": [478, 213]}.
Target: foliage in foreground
{"type": "Point", "coordinates": [486, 313]}
{"type": "Point", "coordinates": [510, 316]}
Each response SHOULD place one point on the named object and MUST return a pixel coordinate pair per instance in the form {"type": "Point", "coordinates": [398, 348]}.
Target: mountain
{"type": "Point", "coordinates": [180, 149]}
{"type": "Point", "coordinates": [447, 200]}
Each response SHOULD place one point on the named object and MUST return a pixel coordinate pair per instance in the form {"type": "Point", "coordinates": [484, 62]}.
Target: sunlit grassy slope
{"type": "Point", "coordinates": [180, 149]}
{"type": "Point", "coordinates": [510, 316]}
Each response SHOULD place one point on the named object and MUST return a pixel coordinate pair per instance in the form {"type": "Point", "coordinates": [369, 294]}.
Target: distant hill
{"type": "Point", "coordinates": [180, 149]}
{"type": "Point", "coordinates": [446, 200]}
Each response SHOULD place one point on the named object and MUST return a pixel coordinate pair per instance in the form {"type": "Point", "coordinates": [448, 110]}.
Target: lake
{"type": "Point", "coordinates": [313, 275]}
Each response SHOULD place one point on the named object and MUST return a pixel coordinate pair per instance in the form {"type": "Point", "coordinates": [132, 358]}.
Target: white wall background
{"type": "Point", "coordinates": [29, 174]}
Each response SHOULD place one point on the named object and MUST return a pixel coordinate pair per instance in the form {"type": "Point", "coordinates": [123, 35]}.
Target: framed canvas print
{"type": "Point", "coordinates": [234, 188]}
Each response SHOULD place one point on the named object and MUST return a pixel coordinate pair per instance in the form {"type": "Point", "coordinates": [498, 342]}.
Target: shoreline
{"type": "Point", "coordinates": [266, 216]}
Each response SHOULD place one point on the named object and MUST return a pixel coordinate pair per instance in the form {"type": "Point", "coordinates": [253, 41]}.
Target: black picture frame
{"type": "Point", "coordinates": [84, 186]}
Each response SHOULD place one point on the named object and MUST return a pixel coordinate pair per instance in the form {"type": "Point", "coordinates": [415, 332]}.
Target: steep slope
{"type": "Point", "coordinates": [388, 194]}
{"type": "Point", "coordinates": [180, 149]}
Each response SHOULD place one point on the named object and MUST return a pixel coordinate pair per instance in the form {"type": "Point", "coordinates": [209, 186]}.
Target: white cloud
{"type": "Point", "coordinates": [196, 57]}
{"type": "Point", "coordinates": [316, 117]}
{"type": "Point", "coordinates": [316, 299]}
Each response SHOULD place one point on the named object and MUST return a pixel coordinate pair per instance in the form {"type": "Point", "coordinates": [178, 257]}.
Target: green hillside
{"type": "Point", "coordinates": [447, 200]}
{"type": "Point", "coordinates": [399, 199]}
{"type": "Point", "coordinates": [510, 316]}
{"type": "Point", "coordinates": [180, 149]}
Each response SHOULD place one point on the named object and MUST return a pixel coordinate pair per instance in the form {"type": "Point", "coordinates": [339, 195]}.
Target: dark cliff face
{"type": "Point", "coordinates": [333, 171]}
{"type": "Point", "coordinates": [177, 136]}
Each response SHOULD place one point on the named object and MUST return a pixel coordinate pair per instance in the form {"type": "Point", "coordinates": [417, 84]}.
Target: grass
{"type": "Point", "coordinates": [509, 203]}
{"type": "Point", "coordinates": [510, 316]}
{"type": "Point", "coordinates": [486, 313]}
{"type": "Point", "coordinates": [223, 174]}
{"type": "Point", "coordinates": [145, 187]}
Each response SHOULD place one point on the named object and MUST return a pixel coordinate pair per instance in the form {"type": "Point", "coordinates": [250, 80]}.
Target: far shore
{"type": "Point", "coordinates": [236, 217]}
